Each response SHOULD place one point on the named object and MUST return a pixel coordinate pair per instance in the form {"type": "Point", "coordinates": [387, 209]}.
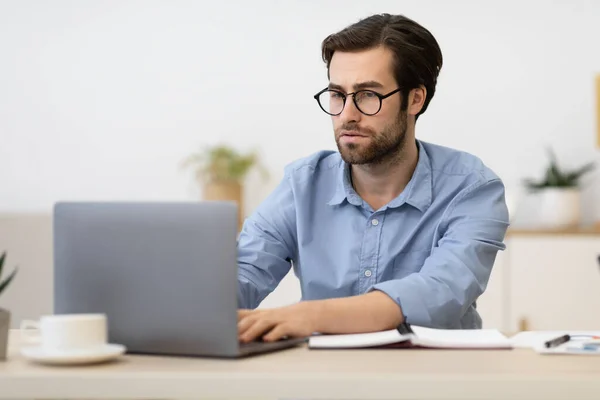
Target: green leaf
{"type": "Point", "coordinates": [533, 185]}
{"type": "Point", "coordinates": [4, 285]}
{"type": "Point", "coordinates": [2, 262]}
{"type": "Point", "coordinates": [555, 177]}
{"type": "Point", "coordinates": [577, 174]}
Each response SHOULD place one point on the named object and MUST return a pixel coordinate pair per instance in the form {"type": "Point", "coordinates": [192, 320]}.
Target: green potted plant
{"type": "Point", "coordinates": [560, 194]}
{"type": "Point", "coordinates": [221, 170]}
{"type": "Point", "coordinates": [4, 314]}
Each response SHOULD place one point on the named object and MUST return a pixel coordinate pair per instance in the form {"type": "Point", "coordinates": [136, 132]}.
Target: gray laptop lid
{"type": "Point", "coordinates": [164, 273]}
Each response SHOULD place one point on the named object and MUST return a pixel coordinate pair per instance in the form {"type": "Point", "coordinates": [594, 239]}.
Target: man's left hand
{"type": "Point", "coordinates": [298, 320]}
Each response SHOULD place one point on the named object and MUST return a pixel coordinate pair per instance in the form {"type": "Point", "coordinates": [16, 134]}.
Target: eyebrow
{"type": "Point", "coordinates": [357, 86]}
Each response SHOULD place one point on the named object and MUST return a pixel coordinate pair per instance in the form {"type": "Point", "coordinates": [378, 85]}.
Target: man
{"type": "Point", "coordinates": [390, 229]}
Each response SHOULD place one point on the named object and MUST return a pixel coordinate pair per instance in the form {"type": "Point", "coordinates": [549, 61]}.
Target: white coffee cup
{"type": "Point", "coordinates": [66, 332]}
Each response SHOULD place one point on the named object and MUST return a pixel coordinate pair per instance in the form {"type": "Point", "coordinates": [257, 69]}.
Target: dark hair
{"type": "Point", "coordinates": [417, 55]}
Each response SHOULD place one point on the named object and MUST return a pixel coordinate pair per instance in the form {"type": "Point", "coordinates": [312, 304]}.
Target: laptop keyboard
{"type": "Point", "coordinates": [260, 346]}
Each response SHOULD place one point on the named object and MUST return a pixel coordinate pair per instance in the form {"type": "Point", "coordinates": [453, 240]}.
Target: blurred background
{"type": "Point", "coordinates": [107, 100]}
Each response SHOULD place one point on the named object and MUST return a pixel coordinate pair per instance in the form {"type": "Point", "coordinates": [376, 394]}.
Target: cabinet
{"type": "Point", "coordinates": [492, 304]}
{"type": "Point", "coordinates": [545, 281]}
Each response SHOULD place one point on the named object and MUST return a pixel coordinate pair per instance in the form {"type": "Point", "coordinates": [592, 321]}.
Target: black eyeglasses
{"type": "Point", "coordinates": [367, 102]}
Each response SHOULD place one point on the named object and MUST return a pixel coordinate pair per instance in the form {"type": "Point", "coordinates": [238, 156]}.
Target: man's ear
{"type": "Point", "coordinates": [416, 99]}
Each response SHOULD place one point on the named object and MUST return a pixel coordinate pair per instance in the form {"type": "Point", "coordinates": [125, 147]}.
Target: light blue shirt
{"type": "Point", "coordinates": [431, 249]}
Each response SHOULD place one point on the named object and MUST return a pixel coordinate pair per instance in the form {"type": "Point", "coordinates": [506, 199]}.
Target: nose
{"type": "Point", "coordinates": [350, 113]}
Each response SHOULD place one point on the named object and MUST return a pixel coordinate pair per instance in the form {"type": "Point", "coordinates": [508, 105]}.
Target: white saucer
{"type": "Point", "coordinates": [73, 357]}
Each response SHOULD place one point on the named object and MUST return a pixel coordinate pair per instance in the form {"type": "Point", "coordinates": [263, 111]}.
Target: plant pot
{"type": "Point", "coordinates": [4, 330]}
{"type": "Point", "coordinates": [226, 191]}
{"type": "Point", "coordinates": [559, 207]}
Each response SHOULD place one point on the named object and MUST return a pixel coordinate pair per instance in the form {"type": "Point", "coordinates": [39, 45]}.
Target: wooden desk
{"type": "Point", "coordinates": [314, 374]}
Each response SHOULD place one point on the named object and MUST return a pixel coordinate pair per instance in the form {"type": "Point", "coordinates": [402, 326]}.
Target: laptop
{"type": "Point", "coordinates": [165, 275]}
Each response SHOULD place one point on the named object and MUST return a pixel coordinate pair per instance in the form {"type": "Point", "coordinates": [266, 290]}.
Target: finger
{"type": "Point", "coordinates": [243, 313]}
{"type": "Point", "coordinates": [257, 329]}
{"type": "Point", "coordinates": [279, 332]}
{"type": "Point", "coordinates": [246, 323]}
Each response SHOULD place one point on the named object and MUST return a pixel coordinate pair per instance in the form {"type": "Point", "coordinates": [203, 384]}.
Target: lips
{"type": "Point", "coordinates": [352, 137]}
{"type": "Point", "coordinates": [351, 134]}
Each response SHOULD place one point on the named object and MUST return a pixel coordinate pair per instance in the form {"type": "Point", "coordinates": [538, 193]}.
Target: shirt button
{"type": "Point", "coordinates": [368, 273]}
{"type": "Point", "coordinates": [374, 222]}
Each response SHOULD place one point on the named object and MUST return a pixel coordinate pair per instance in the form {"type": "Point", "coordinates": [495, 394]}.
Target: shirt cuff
{"type": "Point", "coordinates": [408, 294]}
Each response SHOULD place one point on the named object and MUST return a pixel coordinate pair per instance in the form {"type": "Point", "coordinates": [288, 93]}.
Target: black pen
{"type": "Point", "coordinates": [558, 341]}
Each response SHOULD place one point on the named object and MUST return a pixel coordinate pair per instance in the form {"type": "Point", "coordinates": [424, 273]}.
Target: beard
{"type": "Point", "coordinates": [381, 147]}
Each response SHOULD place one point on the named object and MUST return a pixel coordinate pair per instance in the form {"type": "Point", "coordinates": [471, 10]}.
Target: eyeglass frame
{"type": "Point", "coordinates": [380, 96]}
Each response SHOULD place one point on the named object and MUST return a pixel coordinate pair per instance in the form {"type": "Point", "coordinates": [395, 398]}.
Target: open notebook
{"type": "Point", "coordinates": [407, 336]}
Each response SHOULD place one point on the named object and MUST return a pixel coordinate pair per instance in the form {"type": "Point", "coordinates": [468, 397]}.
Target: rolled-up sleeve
{"type": "Point", "coordinates": [458, 269]}
{"type": "Point", "coordinates": [266, 246]}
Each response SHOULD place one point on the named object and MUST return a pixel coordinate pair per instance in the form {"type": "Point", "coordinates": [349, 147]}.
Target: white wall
{"type": "Point", "coordinates": [102, 100]}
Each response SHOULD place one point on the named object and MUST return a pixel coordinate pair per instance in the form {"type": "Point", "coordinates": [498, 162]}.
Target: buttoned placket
{"type": "Point", "coordinates": [370, 251]}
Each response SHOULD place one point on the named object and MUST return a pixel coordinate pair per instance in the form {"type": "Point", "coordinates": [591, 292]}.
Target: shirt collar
{"type": "Point", "coordinates": [343, 187]}
{"type": "Point", "coordinates": [417, 193]}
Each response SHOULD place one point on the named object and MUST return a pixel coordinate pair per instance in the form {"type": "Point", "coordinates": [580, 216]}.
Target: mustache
{"type": "Point", "coordinates": [356, 128]}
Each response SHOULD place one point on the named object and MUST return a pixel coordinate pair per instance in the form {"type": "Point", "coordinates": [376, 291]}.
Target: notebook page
{"type": "Point", "coordinates": [535, 339]}
{"type": "Point", "coordinates": [357, 340]}
{"type": "Point", "coordinates": [460, 338]}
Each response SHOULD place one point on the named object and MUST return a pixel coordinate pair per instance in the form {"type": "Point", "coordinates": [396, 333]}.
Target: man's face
{"type": "Point", "coordinates": [363, 139]}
